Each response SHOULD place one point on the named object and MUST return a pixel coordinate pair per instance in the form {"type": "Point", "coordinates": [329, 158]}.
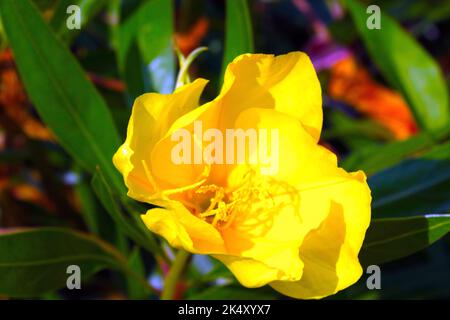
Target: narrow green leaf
{"type": "Point", "coordinates": [89, 208]}
{"type": "Point", "coordinates": [238, 31]}
{"type": "Point", "coordinates": [128, 226]}
{"type": "Point", "coordinates": [97, 218]}
{"type": "Point", "coordinates": [88, 9]}
{"type": "Point", "coordinates": [145, 48]}
{"type": "Point", "coordinates": [134, 288]}
{"type": "Point", "coordinates": [394, 238]}
{"type": "Point", "coordinates": [378, 157]}
{"type": "Point", "coordinates": [415, 185]}
{"type": "Point", "coordinates": [345, 127]}
{"type": "Point", "coordinates": [44, 5]}
{"type": "Point", "coordinates": [408, 67]}
{"type": "Point", "coordinates": [64, 97]}
{"type": "Point", "coordinates": [155, 41]}
{"type": "Point", "coordinates": [35, 261]}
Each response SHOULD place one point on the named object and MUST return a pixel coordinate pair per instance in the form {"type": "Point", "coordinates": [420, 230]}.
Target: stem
{"type": "Point", "coordinates": [185, 63]}
{"type": "Point", "coordinates": [174, 274]}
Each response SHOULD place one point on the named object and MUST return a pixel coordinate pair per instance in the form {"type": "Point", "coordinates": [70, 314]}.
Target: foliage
{"type": "Point", "coordinates": [66, 95]}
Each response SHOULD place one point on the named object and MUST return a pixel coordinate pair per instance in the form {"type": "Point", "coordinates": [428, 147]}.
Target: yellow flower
{"type": "Point", "coordinates": [299, 228]}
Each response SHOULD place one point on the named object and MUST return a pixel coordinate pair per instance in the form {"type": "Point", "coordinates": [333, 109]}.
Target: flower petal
{"type": "Point", "coordinates": [287, 83]}
{"type": "Point", "coordinates": [293, 156]}
{"type": "Point", "coordinates": [274, 259]}
{"type": "Point", "coordinates": [184, 230]}
{"type": "Point", "coordinates": [151, 118]}
{"type": "Point", "coordinates": [330, 251]}
{"type": "Point", "coordinates": [249, 272]}
{"type": "Point", "coordinates": [312, 170]}
{"type": "Point", "coordinates": [265, 228]}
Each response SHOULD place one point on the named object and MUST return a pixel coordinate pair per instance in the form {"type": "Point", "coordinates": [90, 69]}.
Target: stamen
{"type": "Point", "coordinates": [204, 174]}
{"type": "Point", "coordinates": [183, 189]}
{"type": "Point", "coordinates": [255, 190]}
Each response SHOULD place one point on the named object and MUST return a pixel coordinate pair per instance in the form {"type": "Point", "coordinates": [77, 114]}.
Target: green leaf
{"type": "Point", "coordinates": [88, 8]}
{"type": "Point", "coordinates": [408, 67]}
{"type": "Point", "coordinates": [97, 219]}
{"type": "Point", "coordinates": [426, 11]}
{"type": "Point", "coordinates": [134, 288]}
{"type": "Point", "coordinates": [345, 127]}
{"type": "Point", "coordinates": [89, 208]}
{"type": "Point", "coordinates": [145, 39]}
{"type": "Point", "coordinates": [415, 185]}
{"type": "Point", "coordinates": [394, 238]}
{"type": "Point", "coordinates": [238, 31]}
{"type": "Point", "coordinates": [64, 97]}
{"type": "Point", "coordinates": [219, 271]}
{"type": "Point", "coordinates": [378, 157]}
{"type": "Point", "coordinates": [35, 261]}
{"type": "Point", "coordinates": [44, 5]}
{"type": "Point", "coordinates": [433, 198]}
{"type": "Point", "coordinates": [133, 228]}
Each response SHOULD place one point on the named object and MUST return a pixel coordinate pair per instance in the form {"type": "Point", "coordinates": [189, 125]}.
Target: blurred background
{"type": "Point", "coordinates": [385, 99]}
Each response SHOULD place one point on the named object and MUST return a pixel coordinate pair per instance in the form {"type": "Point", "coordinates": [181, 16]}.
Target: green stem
{"type": "Point", "coordinates": [185, 63]}
{"type": "Point", "coordinates": [174, 274]}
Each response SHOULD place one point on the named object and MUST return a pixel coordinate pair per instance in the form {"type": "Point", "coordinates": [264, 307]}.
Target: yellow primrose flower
{"type": "Point", "coordinates": [297, 226]}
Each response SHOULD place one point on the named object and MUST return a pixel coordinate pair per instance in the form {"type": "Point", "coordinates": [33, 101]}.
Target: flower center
{"type": "Point", "coordinates": [255, 193]}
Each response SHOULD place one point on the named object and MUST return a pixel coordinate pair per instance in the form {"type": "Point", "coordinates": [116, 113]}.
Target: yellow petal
{"type": "Point", "coordinates": [312, 171]}
{"type": "Point", "coordinates": [271, 241]}
{"type": "Point", "coordinates": [297, 157]}
{"type": "Point", "coordinates": [265, 230]}
{"type": "Point", "coordinates": [183, 230]}
{"type": "Point", "coordinates": [250, 273]}
{"type": "Point", "coordinates": [330, 251]}
{"type": "Point", "coordinates": [287, 83]}
{"type": "Point", "coordinates": [152, 115]}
